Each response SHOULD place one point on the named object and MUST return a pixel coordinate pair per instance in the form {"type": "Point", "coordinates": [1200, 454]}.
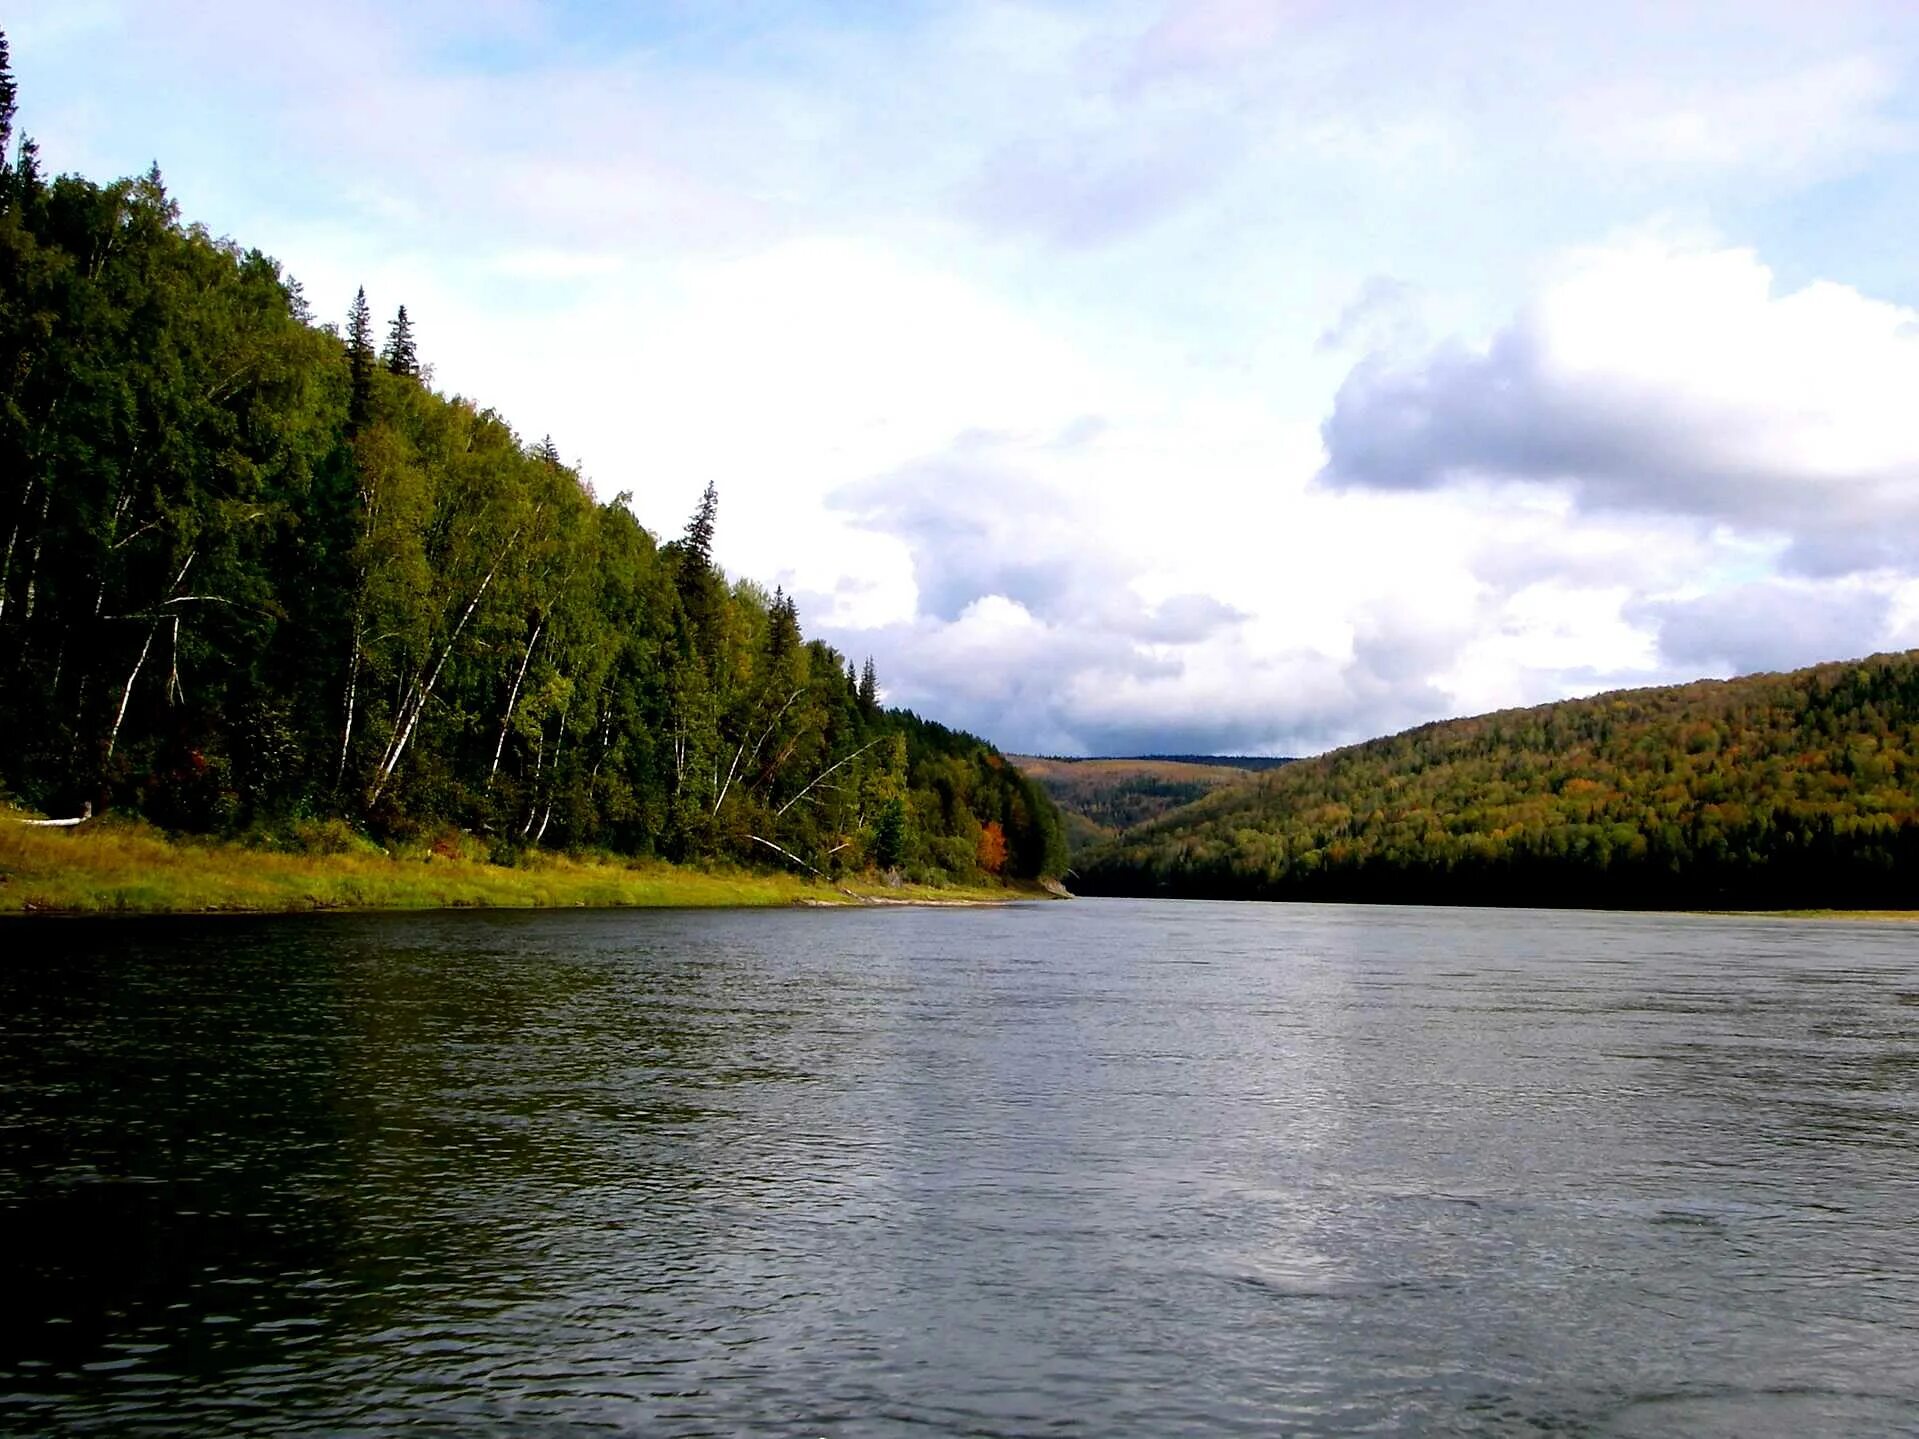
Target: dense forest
{"type": "Point", "coordinates": [1773, 791]}
{"type": "Point", "coordinates": [1100, 799]}
{"type": "Point", "coordinates": [256, 573]}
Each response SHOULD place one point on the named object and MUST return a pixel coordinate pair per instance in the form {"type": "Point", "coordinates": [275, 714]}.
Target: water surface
{"type": "Point", "coordinates": [1114, 1167]}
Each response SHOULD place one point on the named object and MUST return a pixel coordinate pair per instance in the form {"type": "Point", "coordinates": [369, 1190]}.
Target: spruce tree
{"type": "Point", "coordinates": [400, 356]}
{"type": "Point", "coordinates": [9, 96]}
{"type": "Point", "coordinates": [360, 358]}
{"type": "Point", "coordinates": [26, 168]}
{"type": "Point", "coordinates": [869, 688]}
{"type": "Point", "coordinates": [694, 579]}
{"type": "Point", "coordinates": [548, 452]}
{"type": "Point", "coordinates": [783, 626]}
{"type": "Point", "coordinates": [698, 543]}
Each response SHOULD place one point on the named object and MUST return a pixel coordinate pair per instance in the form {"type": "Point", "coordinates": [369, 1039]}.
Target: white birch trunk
{"type": "Point", "coordinates": [352, 698]}
{"type": "Point", "coordinates": [415, 703]}
{"type": "Point", "coordinates": [113, 736]}
{"type": "Point", "coordinates": [823, 774]}
{"type": "Point", "coordinates": [513, 699]}
{"type": "Point", "coordinates": [120, 715]}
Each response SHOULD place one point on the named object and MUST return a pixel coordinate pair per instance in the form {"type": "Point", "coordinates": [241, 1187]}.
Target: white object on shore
{"type": "Point", "coordinates": [86, 813]}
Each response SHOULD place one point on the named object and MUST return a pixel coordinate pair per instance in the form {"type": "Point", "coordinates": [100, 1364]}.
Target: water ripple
{"type": "Point", "coordinates": [1090, 1169]}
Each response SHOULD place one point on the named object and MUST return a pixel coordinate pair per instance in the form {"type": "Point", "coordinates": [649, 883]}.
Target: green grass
{"type": "Point", "coordinates": [1876, 914]}
{"type": "Point", "coordinates": [125, 867]}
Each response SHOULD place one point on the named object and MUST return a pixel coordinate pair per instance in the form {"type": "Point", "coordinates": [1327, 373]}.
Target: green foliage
{"type": "Point", "coordinates": [1766, 792]}
{"type": "Point", "coordinates": [1101, 798]}
{"type": "Point", "coordinates": [400, 356]}
{"type": "Point", "coordinates": [248, 573]}
{"type": "Point", "coordinates": [360, 359]}
{"type": "Point", "coordinates": [9, 94]}
{"type": "Point", "coordinates": [889, 835]}
{"type": "Point", "coordinates": [326, 836]}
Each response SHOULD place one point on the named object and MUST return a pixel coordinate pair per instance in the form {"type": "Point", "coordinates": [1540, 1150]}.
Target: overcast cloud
{"type": "Point", "coordinates": [1170, 375]}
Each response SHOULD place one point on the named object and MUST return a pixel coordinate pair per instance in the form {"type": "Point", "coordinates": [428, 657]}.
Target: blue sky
{"type": "Point", "coordinates": [1173, 375]}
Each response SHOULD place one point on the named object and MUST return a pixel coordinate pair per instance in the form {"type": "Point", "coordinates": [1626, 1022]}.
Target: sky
{"type": "Point", "coordinates": [1165, 376]}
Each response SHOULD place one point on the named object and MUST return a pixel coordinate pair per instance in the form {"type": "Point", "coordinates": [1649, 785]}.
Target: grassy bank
{"type": "Point", "coordinates": [1906, 915]}
{"type": "Point", "coordinates": [113, 866]}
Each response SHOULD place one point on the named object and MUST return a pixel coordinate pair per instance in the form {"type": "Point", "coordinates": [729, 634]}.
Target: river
{"type": "Point", "coordinates": [1101, 1168]}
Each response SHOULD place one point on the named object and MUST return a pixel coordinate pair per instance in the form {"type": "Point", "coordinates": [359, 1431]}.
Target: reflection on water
{"type": "Point", "coordinates": [1109, 1167]}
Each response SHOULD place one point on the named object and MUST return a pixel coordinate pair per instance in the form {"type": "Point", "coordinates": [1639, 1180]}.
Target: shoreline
{"type": "Point", "coordinates": [118, 868]}
{"type": "Point", "coordinates": [1853, 916]}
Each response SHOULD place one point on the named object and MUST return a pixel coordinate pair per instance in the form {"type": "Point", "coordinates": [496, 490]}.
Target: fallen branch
{"type": "Point", "coordinates": [787, 852]}
{"type": "Point", "coordinates": [86, 813]}
{"type": "Point", "coordinates": [823, 774]}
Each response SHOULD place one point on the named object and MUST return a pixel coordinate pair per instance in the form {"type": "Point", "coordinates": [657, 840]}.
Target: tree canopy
{"type": "Point", "coordinates": [1797, 790]}
{"type": "Point", "coordinates": [248, 571]}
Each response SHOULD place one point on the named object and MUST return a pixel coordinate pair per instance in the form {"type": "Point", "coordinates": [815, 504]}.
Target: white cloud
{"type": "Point", "coordinates": [1670, 379]}
{"type": "Point", "coordinates": [1773, 624]}
{"type": "Point", "coordinates": [1007, 328]}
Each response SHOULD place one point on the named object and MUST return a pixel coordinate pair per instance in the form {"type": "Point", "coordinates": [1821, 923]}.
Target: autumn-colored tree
{"type": "Point", "coordinates": [992, 847]}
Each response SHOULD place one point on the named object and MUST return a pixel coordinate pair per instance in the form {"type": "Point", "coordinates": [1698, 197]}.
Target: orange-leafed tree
{"type": "Point", "coordinates": [992, 847]}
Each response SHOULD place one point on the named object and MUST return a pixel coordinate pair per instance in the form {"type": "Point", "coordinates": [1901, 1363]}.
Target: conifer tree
{"type": "Point", "coordinates": [869, 688]}
{"type": "Point", "coordinates": [694, 577]}
{"type": "Point", "coordinates": [546, 450]}
{"type": "Point", "coordinates": [400, 356]}
{"type": "Point", "coordinates": [698, 543]}
{"type": "Point", "coordinates": [359, 354]}
{"type": "Point", "coordinates": [26, 167]}
{"type": "Point", "coordinates": [9, 95]}
{"type": "Point", "coordinates": [783, 628]}
{"type": "Point", "coordinates": [153, 187]}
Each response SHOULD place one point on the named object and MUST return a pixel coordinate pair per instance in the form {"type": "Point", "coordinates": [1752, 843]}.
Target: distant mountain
{"type": "Point", "coordinates": [1771, 791]}
{"type": "Point", "coordinates": [1102, 798]}
{"type": "Point", "coordinates": [1253, 762]}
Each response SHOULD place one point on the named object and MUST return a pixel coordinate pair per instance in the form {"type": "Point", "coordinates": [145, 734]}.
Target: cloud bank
{"type": "Point", "coordinates": [1164, 375]}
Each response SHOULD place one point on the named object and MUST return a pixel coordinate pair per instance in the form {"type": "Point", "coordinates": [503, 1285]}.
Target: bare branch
{"type": "Point", "coordinates": [787, 852]}
{"type": "Point", "coordinates": [823, 774]}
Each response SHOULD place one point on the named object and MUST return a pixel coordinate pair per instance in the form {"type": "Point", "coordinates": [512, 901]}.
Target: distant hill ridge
{"type": "Point", "coordinates": [1769, 791]}
{"type": "Point", "coordinates": [1253, 762]}
{"type": "Point", "coordinates": [1103, 796]}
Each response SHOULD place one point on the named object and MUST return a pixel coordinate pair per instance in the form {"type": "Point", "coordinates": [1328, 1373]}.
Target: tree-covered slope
{"type": "Point", "coordinates": [1768, 791]}
{"type": "Point", "coordinates": [1103, 798]}
{"type": "Point", "coordinates": [256, 571]}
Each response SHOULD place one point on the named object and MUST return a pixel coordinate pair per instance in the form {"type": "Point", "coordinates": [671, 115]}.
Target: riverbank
{"type": "Point", "coordinates": [1900, 915]}
{"type": "Point", "coordinates": [115, 867]}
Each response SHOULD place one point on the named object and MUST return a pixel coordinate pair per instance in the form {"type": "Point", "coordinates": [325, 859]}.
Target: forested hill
{"type": "Point", "coordinates": [1102, 798]}
{"type": "Point", "coordinates": [1796, 790]}
{"type": "Point", "coordinates": [255, 573]}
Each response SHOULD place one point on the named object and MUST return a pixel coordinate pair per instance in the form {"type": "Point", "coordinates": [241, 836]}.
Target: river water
{"type": "Point", "coordinates": [1101, 1168]}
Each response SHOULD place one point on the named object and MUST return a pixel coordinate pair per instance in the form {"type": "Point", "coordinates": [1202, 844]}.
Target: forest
{"type": "Point", "coordinates": [1772, 791]}
{"type": "Point", "coordinates": [1099, 799]}
{"type": "Point", "coordinates": [258, 578]}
